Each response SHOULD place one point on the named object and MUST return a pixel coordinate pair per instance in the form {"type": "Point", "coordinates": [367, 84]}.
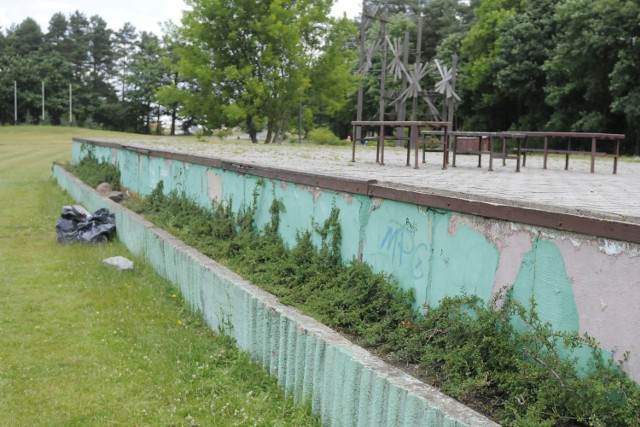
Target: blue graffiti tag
{"type": "Point", "coordinates": [399, 244]}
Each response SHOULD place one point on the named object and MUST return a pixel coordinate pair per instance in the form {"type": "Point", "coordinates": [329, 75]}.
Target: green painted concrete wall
{"type": "Point", "coordinates": [437, 253]}
{"type": "Point", "coordinates": [410, 242]}
{"type": "Point", "coordinates": [346, 385]}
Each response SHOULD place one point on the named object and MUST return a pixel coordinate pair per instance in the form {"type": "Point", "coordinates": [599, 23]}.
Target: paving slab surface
{"type": "Point", "coordinates": [576, 190]}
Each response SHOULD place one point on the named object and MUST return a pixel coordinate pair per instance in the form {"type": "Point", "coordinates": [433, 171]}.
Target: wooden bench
{"type": "Point", "coordinates": [414, 127]}
{"type": "Point", "coordinates": [593, 153]}
{"type": "Point", "coordinates": [485, 141]}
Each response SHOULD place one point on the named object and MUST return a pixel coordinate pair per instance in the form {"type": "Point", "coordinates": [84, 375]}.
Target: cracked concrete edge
{"type": "Point", "coordinates": [438, 409]}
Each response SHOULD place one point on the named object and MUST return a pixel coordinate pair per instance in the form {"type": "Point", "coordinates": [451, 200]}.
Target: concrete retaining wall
{"type": "Point", "coordinates": [346, 384]}
{"type": "Point", "coordinates": [439, 246]}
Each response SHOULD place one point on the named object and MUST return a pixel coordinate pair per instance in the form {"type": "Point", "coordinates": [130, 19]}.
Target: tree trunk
{"type": "Point", "coordinates": [269, 131]}
{"type": "Point", "coordinates": [173, 121]}
{"type": "Point", "coordinates": [158, 126]}
{"type": "Point", "coordinates": [251, 126]}
{"type": "Point", "coordinates": [148, 123]}
{"type": "Point", "coordinates": [280, 131]}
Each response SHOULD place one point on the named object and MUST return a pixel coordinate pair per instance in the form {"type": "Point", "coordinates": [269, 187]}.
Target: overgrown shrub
{"type": "Point", "coordinates": [498, 357]}
{"type": "Point", "coordinates": [94, 172]}
{"type": "Point", "coordinates": [324, 136]}
{"type": "Point", "coordinates": [476, 353]}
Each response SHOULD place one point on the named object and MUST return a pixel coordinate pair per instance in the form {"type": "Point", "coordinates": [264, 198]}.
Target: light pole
{"type": "Point", "coordinates": [15, 103]}
{"type": "Point", "coordinates": [70, 105]}
{"type": "Point", "coordinates": [43, 102]}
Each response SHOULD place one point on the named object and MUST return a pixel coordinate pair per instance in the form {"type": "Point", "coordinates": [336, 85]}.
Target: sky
{"type": "Point", "coordinates": [145, 15]}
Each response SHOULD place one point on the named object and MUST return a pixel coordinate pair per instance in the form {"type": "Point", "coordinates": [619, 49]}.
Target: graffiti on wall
{"type": "Point", "coordinates": [401, 246]}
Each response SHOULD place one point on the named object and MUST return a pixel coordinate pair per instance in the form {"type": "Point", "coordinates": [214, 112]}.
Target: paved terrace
{"type": "Point", "coordinates": [577, 191]}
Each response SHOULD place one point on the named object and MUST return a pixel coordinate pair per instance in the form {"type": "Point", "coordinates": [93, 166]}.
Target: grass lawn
{"type": "Point", "coordinates": [82, 344]}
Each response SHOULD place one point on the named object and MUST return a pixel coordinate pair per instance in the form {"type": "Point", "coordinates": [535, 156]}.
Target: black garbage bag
{"type": "Point", "coordinates": [77, 224]}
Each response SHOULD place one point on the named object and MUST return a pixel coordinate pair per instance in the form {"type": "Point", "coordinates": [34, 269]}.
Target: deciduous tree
{"type": "Point", "coordinates": [248, 59]}
{"type": "Point", "coordinates": [590, 36]}
{"type": "Point", "coordinates": [625, 77]}
{"type": "Point", "coordinates": [482, 108]}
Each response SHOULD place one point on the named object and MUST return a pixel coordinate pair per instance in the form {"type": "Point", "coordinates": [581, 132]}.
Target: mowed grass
{"type": "Point", "coordinates": [82, 344]}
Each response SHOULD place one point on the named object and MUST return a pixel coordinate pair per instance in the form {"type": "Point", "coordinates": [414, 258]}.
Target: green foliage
{"type": "Point", "coordinates": [28, 72]}
{"type": "Point", "coordinates": [331, 79]}
{"type": "Point", "coordinates": [590, 36]}
{"type": "Point", "coordinates": [563, 65]}
{"type": "Point", "coordinates": [261, 51]}
{"type": "Point", "coordinates": [324, 136]}
{"type": "Point", "coordinates": [479, 46]}
{"type": "Point", "coordinates": [146, 72]}
{"type": "Point", "coordinates": [94, 172]}
{"type": "Point", "coordinates": [524, 44]}
{"type": "Point", "coordinates": [526, 64]}
{"type": "Point", "coordinates": [626, 74]}
{"type": "Point", "coordinates": [504, 354]}
{"type": "Point", "coordinates": [82, 52]}
{"type": "Point", "coordinates": [306, 274]}
{"type": "Point", "coordinates": [85, 344]}
{"type": "Point", "coordinates": [500, 358]}
{"type": "Point", "coordinates": [222, 133]}
{"type": "Point", "coordinates": [486, 109]}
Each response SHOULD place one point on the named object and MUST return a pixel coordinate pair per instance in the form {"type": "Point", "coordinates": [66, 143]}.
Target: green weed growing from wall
{"type": "Point", "coordinates": [93, 172]}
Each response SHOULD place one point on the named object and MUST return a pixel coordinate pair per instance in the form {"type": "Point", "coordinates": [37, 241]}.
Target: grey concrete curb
{"type": "Point", "coordinates": [347, 385]}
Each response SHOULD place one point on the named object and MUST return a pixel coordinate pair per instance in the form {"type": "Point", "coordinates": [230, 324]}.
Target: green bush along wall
{"type": "Point", "coordinates": [413, 243]}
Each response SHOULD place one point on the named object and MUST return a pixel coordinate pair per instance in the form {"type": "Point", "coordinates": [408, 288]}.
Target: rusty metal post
{"type": "Point", "coordinates": [593, 155]}
{"type": "Point", "coordinates": [445, 148]}
{"type": "Point", "coordinates": [519, 150]}
{"type": "Point", "coordinates": [353, 144]}
{"type": "Point", "coordinates": [490, 153]}
{"type": "Point", "coordinates": [455, 150]}
{"type": "Point", "coordinates": [504, 151]}
{"type": "Point", "coordinates": [414, 142]}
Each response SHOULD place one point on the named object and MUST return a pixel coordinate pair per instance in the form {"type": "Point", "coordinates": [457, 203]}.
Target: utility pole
{"type": "Point", "coordinates": [43, 102]}
{"type": "Point", "coordinates": [70, 104]}
{"type": "Point", "coordinates": [15, 103]}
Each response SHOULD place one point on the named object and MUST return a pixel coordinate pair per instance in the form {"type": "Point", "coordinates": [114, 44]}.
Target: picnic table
{"type": "Point", "coordinates": [521, 150]}
{"type": "Point", "coordinates": [454, 147]}
{"type": "Point", "coordinates": [419, 131]}
{"type": "Point", "coordinates": [413, 138]}
{"type": "Point", "coordinates": [568, 136]}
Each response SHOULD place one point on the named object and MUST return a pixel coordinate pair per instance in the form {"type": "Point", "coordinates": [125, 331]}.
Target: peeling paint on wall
{"type": "Point", "coordinates": [463, 263]}
{"type": "Point", "coordinates": [612, 248]}
{"type": "Point", "coordinates": [580, 283]}
{"type": "Point", "coordinates": [544, 279]}
{"type": "Point", "coordinates": [214, 186]}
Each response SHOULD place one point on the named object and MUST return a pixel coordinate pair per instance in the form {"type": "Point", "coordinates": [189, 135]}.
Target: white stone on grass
{"type": "Point", "coordinates": [120, 262]}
